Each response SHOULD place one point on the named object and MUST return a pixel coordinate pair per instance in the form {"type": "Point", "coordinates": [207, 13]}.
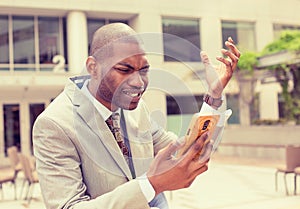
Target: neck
{"type": "Point", "coordinates": [93, 90]}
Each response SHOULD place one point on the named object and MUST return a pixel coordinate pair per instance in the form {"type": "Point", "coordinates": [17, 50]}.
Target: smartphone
{"type": "Point", "coordinates": [199, 124]}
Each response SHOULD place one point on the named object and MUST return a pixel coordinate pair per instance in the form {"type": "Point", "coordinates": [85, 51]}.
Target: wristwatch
{"type": "Point", "coordinates": [214, 102]}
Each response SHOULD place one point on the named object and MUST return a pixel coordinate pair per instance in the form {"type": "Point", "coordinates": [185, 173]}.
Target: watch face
{"type": "Point", "coordinates": [212, 101]}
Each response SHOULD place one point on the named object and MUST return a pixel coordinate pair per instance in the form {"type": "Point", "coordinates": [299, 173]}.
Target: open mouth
{"type": "Point", "coordinates": [134, 94]}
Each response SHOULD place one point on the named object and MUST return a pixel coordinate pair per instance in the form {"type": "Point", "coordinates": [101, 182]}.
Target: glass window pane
{"type": "Point", "coordinates": [92, 26]}
{"type": "Point", "coordinates": [48, 38]}
{"type": "Point", "coordinates": [243, 33]}
{"type": "Point", "coordinates": [233, 103]}
{"type": "Point", "coordinates": [116, 21]}
{"type": "Point", "coordinates": [11, 125]}
{"type": "Point", "coordinates": [177, 105]}
{"type": "Point", "coordinates": [4, 48]}
{"type": "Point", "coordinates": [278, 28]}
{"type": "Point", "coordinates": [23, 39]}
{"type": "Point", "coordinates": [65, 43]}
{"type": "Point", "coordinates": [181, 39]}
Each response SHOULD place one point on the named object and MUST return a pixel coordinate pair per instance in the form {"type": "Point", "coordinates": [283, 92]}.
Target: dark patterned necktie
{"type": "Point", "coordinates": [113, 123]}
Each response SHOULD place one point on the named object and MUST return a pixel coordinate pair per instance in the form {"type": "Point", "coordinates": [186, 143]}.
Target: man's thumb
{"type": "Point", "coordinates": [205, 59]}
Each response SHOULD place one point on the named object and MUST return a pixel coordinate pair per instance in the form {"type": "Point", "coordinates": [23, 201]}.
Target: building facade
{"type": "Point", "coordinates": [42, 43]}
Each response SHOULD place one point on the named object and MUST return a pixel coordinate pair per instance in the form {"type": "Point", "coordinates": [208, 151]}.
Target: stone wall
{"type": "Point", "coordinates": [261, 142]}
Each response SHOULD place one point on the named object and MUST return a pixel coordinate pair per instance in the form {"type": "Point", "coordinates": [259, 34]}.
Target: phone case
{"type": "Point", "coordinates": [199, 124]}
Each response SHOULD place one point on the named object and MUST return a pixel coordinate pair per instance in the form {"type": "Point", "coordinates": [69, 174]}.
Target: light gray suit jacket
{"type": "Point", "coordinates": [78, 161]}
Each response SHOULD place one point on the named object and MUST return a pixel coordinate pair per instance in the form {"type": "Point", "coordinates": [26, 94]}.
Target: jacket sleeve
{"type": "Point", "coordinates": [61, 180]}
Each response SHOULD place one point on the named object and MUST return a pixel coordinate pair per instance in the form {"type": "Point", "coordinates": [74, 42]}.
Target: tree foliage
{"type": "Point", "coordinates": [289, 40]}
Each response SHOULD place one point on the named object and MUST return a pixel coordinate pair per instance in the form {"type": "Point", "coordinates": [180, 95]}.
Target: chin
{"type": "Point", "coordinates": [130, 106]}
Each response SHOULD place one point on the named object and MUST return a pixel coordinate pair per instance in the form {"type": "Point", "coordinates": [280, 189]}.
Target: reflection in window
{"type": "Point", "coordinates": [278, 28]}
{"type": "Point", "coordinates": [92, 26]}
{"type": "Point", "coordinates": [4, 50]}
{"type": "Point", "coordinates": [243, 33]}
{"type": "Point", "coordinates": [23, 39]}
{"type": "Point", "coordinates": [11, 125]}
{"type": "Point", "coordinates": [233, 104]}
{"type": "Point", "coordinates": [181, 39]}
{"type": "Point", "coordinates": [48, 38]}
{"type": "Point", "coordinates": [184, 104]}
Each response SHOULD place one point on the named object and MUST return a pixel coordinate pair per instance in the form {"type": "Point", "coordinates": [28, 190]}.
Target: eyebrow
{"type": "Point", "coordinates": [131, 67]}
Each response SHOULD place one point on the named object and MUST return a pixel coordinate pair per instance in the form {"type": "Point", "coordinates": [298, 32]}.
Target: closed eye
{"type": "Point", "coordinates": [123, 70]}
{"type": "Point", "coordinates": [144, 71]}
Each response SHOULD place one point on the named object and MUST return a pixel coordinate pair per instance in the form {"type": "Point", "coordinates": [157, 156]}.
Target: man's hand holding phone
{"type": "Point", "coordinates": [168, 172]}
{"type": "Point", "coordinates": [199, 125]}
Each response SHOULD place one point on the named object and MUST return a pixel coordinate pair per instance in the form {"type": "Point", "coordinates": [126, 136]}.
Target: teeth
{"type": "Point", "coordinates": [132, 94]}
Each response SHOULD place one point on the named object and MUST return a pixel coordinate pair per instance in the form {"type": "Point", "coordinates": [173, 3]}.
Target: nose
{"type": "Point", "coordinates": [136, 80]}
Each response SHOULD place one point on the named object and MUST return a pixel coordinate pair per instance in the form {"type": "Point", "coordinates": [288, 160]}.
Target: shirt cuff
{"type": "Point", "coordinates": [206, 109]}
{"type": "Point", "coordinates": [146, 187]}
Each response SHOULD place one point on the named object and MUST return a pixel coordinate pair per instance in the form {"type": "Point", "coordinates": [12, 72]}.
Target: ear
{"type": "Point", "coordinates": [92, 66]}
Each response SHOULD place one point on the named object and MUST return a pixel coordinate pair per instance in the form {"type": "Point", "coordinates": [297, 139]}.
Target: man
{"type": "Point", "coordinates": [79, 163]}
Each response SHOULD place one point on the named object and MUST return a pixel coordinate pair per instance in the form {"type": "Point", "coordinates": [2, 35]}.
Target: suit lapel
{"type": "Point", "coordinates": [96, 123]}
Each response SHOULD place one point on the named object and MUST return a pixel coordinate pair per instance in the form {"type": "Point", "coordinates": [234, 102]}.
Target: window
{"type": "Point", "coordinates": [177, 105]}
{"type": "Point", "coordinates": [243, 33]}
{"type": "Point", "coordinates": [278, 28]}
{"type": "Point", "coordinates": [180, 109]}
{"type": "Point", "coordinates": [49, 38]}
{"type": "Point", "coordinates": [233, 104]}
{"type": "Point", "coordinates": [4, 49]}
{"type": "Point", "coordinates": [181, 39]}
{"type": "Point", "coordinates": [11, 114]}
{"type": "Point", "coordinates": [93, 24]}
{"type": "Point", "coordinates": [23, 41]}
{"type": "Point", "coordinates": [34, 42]}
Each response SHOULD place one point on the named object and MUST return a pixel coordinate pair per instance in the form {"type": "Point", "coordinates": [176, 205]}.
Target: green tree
{"type": "Point", "coordinates": [288, 41]}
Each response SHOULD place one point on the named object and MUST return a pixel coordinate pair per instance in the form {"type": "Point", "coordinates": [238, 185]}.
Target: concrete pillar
{"type": "Point", "coordinates": [77, 39]}
{"type": "Point", "coordinates": [157, 104]}
{"type": "Point", "coordinates": [211, 40]}
{"type": "Point", "coordinates": [264, 26]}
{"type": "Point", "coordinates": [268, 101]}
{"type": "Point", "coordinates": [25, 128]}
{"type": "Point", "coordinates": [152, 36]}
{"type": "Point", "coordinates": [245, 98]}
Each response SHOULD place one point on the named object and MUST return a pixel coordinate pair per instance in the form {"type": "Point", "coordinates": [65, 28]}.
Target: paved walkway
{"type": "Point", "coordinates": [229, 183]}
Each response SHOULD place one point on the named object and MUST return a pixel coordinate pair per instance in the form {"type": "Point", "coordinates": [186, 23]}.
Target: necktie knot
{"type": "Point", "coordinates": [113, 121]}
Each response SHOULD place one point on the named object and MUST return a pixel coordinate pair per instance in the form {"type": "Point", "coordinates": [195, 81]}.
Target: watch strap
{"type": "Point", "coordinates": [214, 102]}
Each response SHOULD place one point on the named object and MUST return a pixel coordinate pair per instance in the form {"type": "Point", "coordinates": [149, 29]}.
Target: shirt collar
{"type": "Point", "coordinates": [103, 111]}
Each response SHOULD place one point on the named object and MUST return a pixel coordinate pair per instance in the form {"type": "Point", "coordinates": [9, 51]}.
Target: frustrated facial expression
{"type": "Point", "coordinates": [123, 84]}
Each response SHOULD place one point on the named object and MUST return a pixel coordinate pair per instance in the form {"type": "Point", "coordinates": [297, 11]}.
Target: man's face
{"type": "Point", "coordinates": [125, 80]}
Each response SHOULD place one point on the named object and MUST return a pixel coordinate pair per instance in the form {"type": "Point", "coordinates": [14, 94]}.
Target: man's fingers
{"type": "Point", "coordinates": [231, 45]}
{"type": "Point", "coordinates": [210, 71]}
{"type": "Point", "coordinates": [205, 155]}
{"type": "Point", "coordinates": [170, 149]}
{"type": "Point", "coordinates": [195, 149]}
{"type": "Point", "coordinates": [204, 58]}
